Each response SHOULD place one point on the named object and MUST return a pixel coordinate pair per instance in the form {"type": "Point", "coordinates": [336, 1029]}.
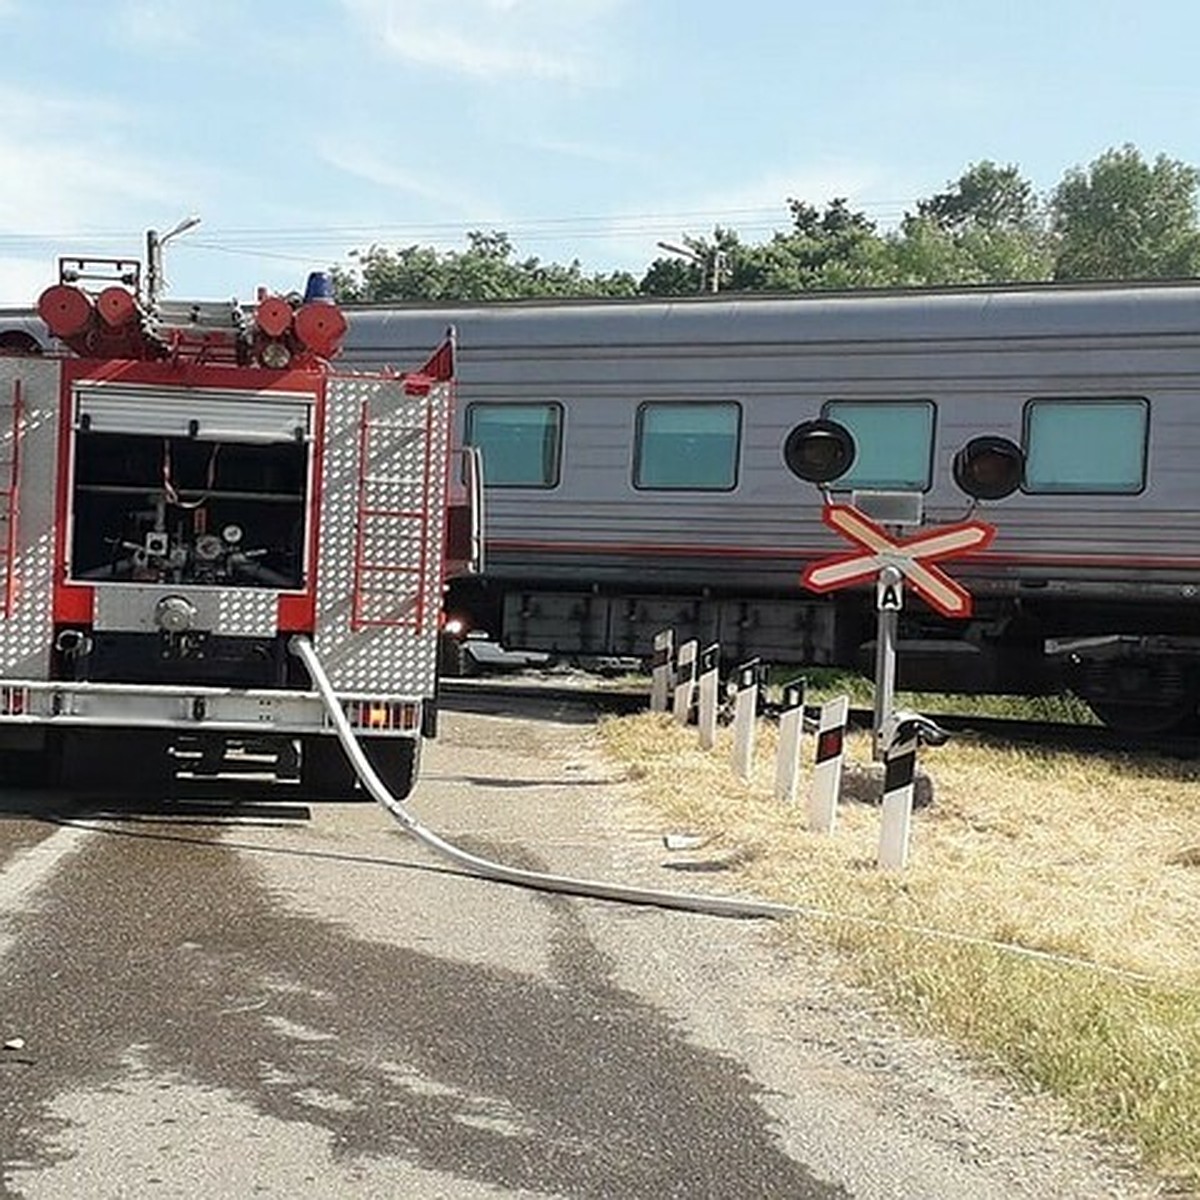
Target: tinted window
{"type": "Point", "coordinates": [520, 443]}
{"type": "Point", "coordinates": [1085, 445]}
{"type": "Point", "coordinates": [894, 443]}
{"type": "Point", "coordinates": [693, 446]}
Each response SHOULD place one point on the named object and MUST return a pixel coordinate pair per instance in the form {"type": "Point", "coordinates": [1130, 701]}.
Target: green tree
{"type": "Point", "coordinates": [1125, 218]}
{"type": "Point", "coordinates": [832, 248]}
{"type": "Point", "coordinates": [734, 263]}
{"type": "Point", "coordinates": [989, 226]}
{"type": "Point", "coordinates": [1121, 218]}
{"type": "Point", "coordinates": [486, 270]}
{"type": "Point", "coordinates": [985, 196]}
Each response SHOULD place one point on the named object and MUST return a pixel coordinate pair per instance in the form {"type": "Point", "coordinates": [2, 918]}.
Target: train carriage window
{"type": "Point", "coordinates": [1086, 445]}
{"type": "Point", "coordinates": [687, 446]}
{"type": "Point", "coordinates": [893, 439]}
{"type": "Point", "coordinates": [521, 444]}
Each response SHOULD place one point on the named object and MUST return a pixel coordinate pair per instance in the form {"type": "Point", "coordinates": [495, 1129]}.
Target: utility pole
{"type": "Point", "coordinates": [154, 269]}
{"type": "Point", "coordinates": [711, 265]}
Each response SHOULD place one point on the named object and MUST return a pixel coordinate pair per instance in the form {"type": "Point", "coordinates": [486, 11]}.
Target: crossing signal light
{"type": "Point", "coordinates": [819, 451]}
{"type": "Point", "coordinates": [989, 468]}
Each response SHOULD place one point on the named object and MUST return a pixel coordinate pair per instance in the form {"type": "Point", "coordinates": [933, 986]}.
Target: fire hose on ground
{"type": "Point", "coordinates": [718, 906]}
{"type": "Point", "coordinates": [721, 906]}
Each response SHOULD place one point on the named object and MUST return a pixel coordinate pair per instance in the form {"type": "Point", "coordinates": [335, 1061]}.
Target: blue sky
{"type": "Point", "coordinates": [587, 129]}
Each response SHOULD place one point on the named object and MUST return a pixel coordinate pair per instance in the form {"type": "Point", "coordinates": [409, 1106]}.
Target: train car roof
{"type": "Point", "coordinates": [1035, 311]}
{"type": "Point", "coordinates": [1019, 311]}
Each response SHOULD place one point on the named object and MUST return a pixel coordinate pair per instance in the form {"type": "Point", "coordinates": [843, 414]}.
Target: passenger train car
{"type": "Point", "coordinates": [22, 332]}
{"type": "Point", "coordinates": [635, 476]}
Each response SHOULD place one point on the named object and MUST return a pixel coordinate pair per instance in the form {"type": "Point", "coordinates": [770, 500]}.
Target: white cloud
{"type": "Point", "coordinates": [548, 40]}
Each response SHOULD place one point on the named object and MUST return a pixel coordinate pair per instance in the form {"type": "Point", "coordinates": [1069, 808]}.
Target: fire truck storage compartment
{"type": "Point", "coordinates": [212, 492]}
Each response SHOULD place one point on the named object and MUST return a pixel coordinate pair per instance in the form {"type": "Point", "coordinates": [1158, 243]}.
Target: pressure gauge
{"type": "Point", "coordinates": [208, 548]}
{"type": "Point", "coordinates": [232, 534]}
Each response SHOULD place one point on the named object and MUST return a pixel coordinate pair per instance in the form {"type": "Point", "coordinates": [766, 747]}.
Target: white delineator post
{"type": "Point", "coordinates": [899, 769]}
{"type": "Point", "coordinates": [685, 681]}
{"type": "Point", "coordinates": [745, 709]}
{"type": "Point", "coordinates": [827, 768]}
{"type": "Point", "coordinates": [660, 670]}
{"type": "Point", "coordinates": [710, 683]}
{"type": "Point", "coordinates": [791, 732]}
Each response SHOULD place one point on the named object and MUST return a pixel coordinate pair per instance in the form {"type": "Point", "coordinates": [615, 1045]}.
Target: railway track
{"type": "Point", "coordinates": [585, 700]}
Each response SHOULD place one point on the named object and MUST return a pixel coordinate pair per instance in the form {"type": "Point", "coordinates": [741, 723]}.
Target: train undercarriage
{"type": "Point", "coordinates": [1146, 681]}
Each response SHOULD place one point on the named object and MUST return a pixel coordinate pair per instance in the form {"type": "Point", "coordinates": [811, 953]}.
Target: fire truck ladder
{"type": "Point", "coordinates": [10, 480]}
{"type": "Point", "coordinates": [391, 548]}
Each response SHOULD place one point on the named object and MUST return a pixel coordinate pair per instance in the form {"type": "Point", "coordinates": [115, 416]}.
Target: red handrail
{"type": "Point", "coordinates": [14, 504]}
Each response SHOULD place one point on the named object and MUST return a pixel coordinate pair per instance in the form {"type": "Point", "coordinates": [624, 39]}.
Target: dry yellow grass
{"type": "Point", "coordinates": [1089, 857]}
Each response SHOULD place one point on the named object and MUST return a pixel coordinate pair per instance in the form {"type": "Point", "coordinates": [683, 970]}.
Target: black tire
{"type": "Point", "coordinates": [454, 661]}
{"type": "Point", "coordinates": [395, 761]}
{"type": "Point", "coordinates": [325, 771]}
{"type": "Point", "coordinates": [25, 769]}
{"type": "Point", "coordinates": [134, 763]}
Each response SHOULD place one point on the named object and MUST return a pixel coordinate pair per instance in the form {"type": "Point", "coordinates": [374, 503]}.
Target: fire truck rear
{"type": "Point", "coordinates": [181, 497]}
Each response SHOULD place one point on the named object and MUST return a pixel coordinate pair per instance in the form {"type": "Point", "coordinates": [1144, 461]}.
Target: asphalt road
{"type": "Point", "coordinates": [280, 999]}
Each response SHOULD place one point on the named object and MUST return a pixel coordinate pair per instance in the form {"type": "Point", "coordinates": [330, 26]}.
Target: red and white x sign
{"type": "Point", "coordinates": [911, 556]}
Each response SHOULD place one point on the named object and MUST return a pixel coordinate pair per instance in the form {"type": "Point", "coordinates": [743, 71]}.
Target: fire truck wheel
{"type": "Point", "coordinates": [325, 771]}
{"type": "Point", "coordinates": [395, 760]}
{"type": "Point", "coordinates": [25, 768]}
{"type": "Point", "coordinates": [136, 763]}
{"type": "Point", "coordinates": [454, 660]}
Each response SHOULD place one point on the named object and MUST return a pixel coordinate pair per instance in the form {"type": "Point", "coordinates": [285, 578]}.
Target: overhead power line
{"type": "Point", "coordinates": [342, 238]}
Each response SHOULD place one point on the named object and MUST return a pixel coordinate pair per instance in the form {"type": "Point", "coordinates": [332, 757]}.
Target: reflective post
{"type": "Point", "coordinates": [791, 731]}
{"type": "Point", "coordinates": [660, 677]}
{"type": "Point", "coordinates": [685, 681]}
{"type": "Point", "coordinates": [745, 710]}
{"type": "Point", "coordinates": [900, 765]}
{"type": "Point", "coordinates": [827, 765]}
{"type": "Point", "coordinates": [710, 684]}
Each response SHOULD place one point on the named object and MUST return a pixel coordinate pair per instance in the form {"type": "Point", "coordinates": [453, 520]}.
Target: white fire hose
{"type": "Point", "coordinates": [717, 906]}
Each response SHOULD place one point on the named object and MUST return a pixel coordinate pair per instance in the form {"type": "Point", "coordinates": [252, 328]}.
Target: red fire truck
{"type": "Point", "coordinates": [184, 496]}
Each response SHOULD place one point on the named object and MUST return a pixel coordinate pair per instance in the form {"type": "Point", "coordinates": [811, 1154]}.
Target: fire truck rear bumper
{"type": "Point", "coordinates": [200, 709]}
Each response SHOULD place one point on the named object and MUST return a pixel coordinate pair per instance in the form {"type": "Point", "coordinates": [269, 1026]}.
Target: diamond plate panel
{"type": "Point", "coordinates": [25, 636]}
{"type": "Point", "coordinates": [233, 612]}
{"type": "Point", "coordinates": [247, 612]}
{"type": "Point", "coordinates": [406, 474]}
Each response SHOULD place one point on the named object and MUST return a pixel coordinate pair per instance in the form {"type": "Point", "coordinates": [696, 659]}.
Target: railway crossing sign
{"type": "Point", "coordinates": [911, 556]}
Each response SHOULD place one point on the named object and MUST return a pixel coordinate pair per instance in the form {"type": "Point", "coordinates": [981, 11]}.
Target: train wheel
{"type": "Point", "coordinates": [1147, 720]}
{"type": "Point", "coordinates": [325, 771]}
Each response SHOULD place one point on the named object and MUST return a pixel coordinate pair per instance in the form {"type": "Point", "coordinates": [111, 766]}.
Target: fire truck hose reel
{"type": "Point", "coordinates": [718, 906]}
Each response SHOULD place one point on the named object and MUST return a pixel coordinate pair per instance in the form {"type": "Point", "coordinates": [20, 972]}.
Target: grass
{"type": "Point", "coordinates": [1093, 858]}
{"type": "Point", "coordinates": [825, 683]}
